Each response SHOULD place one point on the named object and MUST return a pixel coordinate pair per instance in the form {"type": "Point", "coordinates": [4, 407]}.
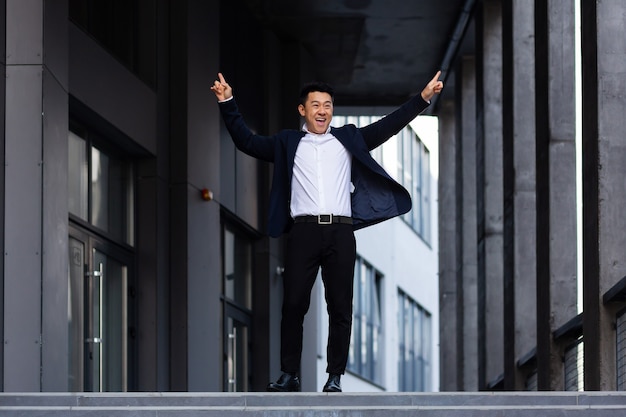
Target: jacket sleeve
{"type": "Point", "coordinates": [379, 132]}
{"type": "Point", "coordinates": [257, 146]}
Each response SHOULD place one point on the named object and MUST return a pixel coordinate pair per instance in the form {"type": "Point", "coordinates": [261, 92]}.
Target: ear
{"type": "Point", "coordinates": [301, 110]}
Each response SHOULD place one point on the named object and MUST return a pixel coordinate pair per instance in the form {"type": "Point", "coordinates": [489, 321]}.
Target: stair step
{"type": "Point", "coordinates": [483, 404]}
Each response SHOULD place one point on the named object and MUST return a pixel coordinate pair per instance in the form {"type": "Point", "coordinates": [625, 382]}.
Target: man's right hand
{"type": "Point", "coordinates": [222, 90]}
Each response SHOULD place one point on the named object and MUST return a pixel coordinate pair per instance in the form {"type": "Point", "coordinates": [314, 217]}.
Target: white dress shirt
{"type": "Point", "coordinates": [321, 176]}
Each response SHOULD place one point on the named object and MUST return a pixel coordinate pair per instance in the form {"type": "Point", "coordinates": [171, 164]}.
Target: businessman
{"type": "Point", "coordinates": [325, 185]}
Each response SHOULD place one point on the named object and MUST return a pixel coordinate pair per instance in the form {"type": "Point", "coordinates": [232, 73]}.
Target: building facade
{"type": "Point", "coordinates": [133, 237]}
{"type": "Point", "coordinates": [135, 253]}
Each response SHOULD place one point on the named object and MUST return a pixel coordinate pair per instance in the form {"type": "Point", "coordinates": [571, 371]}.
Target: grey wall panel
{"type": "Point", "coordinates": [55, 33]}
{"type": "Point", "coordinates": [2, 145]}
{"type": "Point", "coordinates": [23, 205]}
{"type": "Point", "coordinates": [204, 291]}
{"type": "Point", "coordinates": [160, 249]}
{"type": "Point", "coordinates": [147, 272]}
{"type": "Point", "coordinates": [54, 236]}
{"type": "Point", "coordinates": [228, 164]}
{"type": "Point", "coordinates": [24, 28]}
{"type": "Point", "coordinates": [2, 198]}
{"type": "Point", "coordinates": [203, 226]}
{"type": "Point", "coordinates": [178, 289]}
{"type": "Point", "coordinates": [103, 84]}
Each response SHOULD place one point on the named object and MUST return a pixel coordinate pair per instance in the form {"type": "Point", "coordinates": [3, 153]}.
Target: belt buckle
{"type": "Point", "coordinates": [321, 219]}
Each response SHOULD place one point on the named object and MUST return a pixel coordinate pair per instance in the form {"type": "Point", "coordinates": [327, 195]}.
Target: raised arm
{"type": "Point", "coordinates": [257, 146]}
{"type": "Point", "coordinates": [379, 132]}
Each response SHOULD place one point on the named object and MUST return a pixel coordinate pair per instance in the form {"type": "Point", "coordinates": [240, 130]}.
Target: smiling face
{"type": "Point", "coordinates": [317, 111]}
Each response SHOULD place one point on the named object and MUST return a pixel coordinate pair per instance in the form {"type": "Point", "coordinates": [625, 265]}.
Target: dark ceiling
{"type": "Point", "coordinates": [374, 52]}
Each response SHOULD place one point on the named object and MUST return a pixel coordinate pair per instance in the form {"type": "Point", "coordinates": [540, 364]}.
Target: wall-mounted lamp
{"type": "Point", "coordinates": [207, 195]}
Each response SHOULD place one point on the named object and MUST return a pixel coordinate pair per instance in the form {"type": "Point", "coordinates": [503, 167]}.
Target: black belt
{"type": "Point", "coordinates": [323, 219]}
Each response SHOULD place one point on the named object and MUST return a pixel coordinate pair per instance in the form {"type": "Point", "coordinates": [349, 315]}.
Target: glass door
{"type": "Point", "coordinates": [98, 315]}
{"type": "Point", "coordinates": [237, 296]}
{"type": "Point", "coordinates": [237, 327]}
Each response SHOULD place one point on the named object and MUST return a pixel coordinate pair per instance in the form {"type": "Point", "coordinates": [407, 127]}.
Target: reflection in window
{"type": "Point", "coordinates": [365, 358]}
{"type": "Point", "coordinates": [77, 176]}
{"type": "Point", "coordinates": [415, 339]}
{"type": "Point", "coordinates": [99, 189]}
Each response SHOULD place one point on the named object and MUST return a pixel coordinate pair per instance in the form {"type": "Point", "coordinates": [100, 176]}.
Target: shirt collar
{"type": "Point", "coordinates": [311, 133]}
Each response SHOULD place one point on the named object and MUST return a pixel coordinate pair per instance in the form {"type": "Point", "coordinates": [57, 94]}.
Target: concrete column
{"type": "Point", "coordinates": [467, 71]}
{"type": "Point", "coordinates": [196, 232]}
{"type": "Point", "coordinates": [556, 184]}
{"type": "Point", "coordinates": [489, 190]}
{"type": "Point", "coordinates": [35, 197]}
{"type": "Point", "coordinates": [203, 227]}
{"type": "Point", "coordinates": [519, 188]}
{"type": "Point", "coordinates": [152, 201]}
{"type": "Point", "coordinates": [563, 210]}
{"type": "Point", "coordinates": [604, 194]}
{"type": "Point", "coordinates": [449, 327]}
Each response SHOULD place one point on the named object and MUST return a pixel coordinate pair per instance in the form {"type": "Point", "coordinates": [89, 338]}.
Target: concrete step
{"type": "Point", "coordinates": [483, 404]}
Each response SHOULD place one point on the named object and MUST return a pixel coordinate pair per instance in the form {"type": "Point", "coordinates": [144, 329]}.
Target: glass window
{"type": "Point", "coordinates": [365, 342]}
{"type": "Point", "coordinates": [414, 175]}
{"type": "Point", "coordinates": [77, 176]}
{"type": "Point", "coordinates": [425, 197]}
{"type": "Point", "coordinates": [412, 168]}
{"type": "Point", "coordinates": [574, 366]}
{"type": "Point", "coordinates": [620, 350]}
{"type": "Point", "coordinates": [237, 261]}
{"type": "Point", "coordinates": [414, 337]}
{"type": "Point", "coordinates": [237, 267]}
{"type": "Point", "coordinates": [101, 187]}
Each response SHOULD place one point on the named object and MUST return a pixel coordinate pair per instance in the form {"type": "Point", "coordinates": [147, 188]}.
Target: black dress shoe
{"type": "Point", "coordinates": [286, 383]}
{"type": "Point", "coordinates": [333, 384]}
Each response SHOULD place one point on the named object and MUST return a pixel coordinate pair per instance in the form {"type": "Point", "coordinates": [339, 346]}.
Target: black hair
{"type": "Point", "coordinates": [319, 86]}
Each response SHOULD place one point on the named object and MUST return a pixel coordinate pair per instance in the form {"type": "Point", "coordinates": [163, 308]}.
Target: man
{"type": "Point", "coordinates": [325, 185]}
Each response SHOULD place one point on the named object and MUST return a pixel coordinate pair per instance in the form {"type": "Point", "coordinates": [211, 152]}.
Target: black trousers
{"type": "Point", "coordinates": [310, 246]}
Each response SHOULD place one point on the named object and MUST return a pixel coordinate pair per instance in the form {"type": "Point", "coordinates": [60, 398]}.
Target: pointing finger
{"type": "Point", "coordinates": [436, 77]}
{"type": "Point", "coordinates": [221, 77]}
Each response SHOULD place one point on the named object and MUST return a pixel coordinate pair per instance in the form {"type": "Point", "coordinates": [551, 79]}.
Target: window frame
{"type": "Point", "coordinates": [414, 345]}
{"type": "Point", "coordinates": [366, 355]}
{"type": "Point", "coordinates": [127, 236]}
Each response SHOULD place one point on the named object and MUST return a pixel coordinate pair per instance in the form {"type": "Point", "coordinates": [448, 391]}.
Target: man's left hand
{"type": "Point", "coordinates": [433, 87]}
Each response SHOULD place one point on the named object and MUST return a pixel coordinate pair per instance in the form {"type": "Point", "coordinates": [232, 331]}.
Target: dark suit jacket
{"type": "Point", "coordinates": [376, 197]}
